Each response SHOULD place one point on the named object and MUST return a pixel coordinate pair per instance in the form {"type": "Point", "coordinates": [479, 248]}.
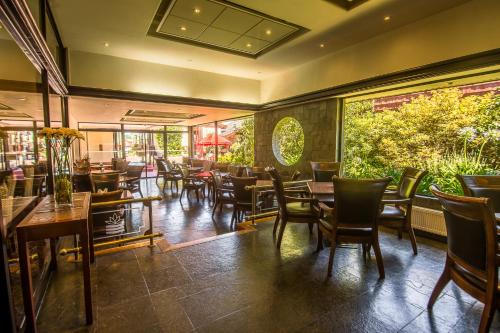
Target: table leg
{"type": "Point", "coordinates": [91, 238]}
{"type": "Point", "coordinates": [86, 273]}
{"type": "Point", "coordinates": [53, 254]}
{"type": "Point", "coordinates": [27, 286]}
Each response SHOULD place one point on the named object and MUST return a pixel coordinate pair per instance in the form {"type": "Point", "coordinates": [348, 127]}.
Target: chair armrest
{"type": "Point", "coordinates": [297, 199]}
{"type": "Point", "coordinates": [295, 191]}
{"type": "Point", "coordinates": [325, 208]}
{"type": "Point", "coordinates": [389, 193]}
{"type": "Point", "coordinates": [406, 201]}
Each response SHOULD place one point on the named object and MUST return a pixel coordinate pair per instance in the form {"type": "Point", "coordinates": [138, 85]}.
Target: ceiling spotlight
{"type": "Point", "coordinates": [322, 45]}
{"type": "Point", "coordinates": [249, 45]}
{"type": "Point", "coordinates": [183, 28]}
{"type": "Point", "coordinates": [22, 99]}
{"type": "Point", "coordinates": [1, 27]}
{"type": "Point", "coordinates": [106, 44]}
{"type": "Point", "coordinates": [387, 18]}
{"type": "Point", "coordinates": [197, 10]}
{"type": "Point", "coordinates": [268, 32]}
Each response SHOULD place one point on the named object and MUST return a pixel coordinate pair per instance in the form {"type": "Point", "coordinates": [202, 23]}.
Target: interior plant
{"type": "Point", "coordinates": [60, 140]}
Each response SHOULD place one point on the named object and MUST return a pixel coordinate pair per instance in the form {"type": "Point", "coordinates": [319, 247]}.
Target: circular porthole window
{"type": "Point", "coordinates": [288, 141]}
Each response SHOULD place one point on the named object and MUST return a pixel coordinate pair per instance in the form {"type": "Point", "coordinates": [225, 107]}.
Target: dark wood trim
{"type": "Point", "coordinates": [22, 86]}
{"type": "Point", "coordinates": [135, 96]}
{"type": "Point", "coordinates": [46, 123]}
{"type": "Point", "coordinates": [450, 66]}
{"type": "Point", "coordinates": [165, 5]}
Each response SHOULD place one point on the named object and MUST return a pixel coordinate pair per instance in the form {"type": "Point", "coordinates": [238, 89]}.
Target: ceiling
{"type": "Point", "coordinates": [109, 111]}
{"type": "Point", "coordinates": [221, 25]}
{"type": "Point", "coordinates": [120, 28]}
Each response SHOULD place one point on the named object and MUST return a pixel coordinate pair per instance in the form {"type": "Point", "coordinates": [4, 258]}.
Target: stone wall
{"type": "Point", "coordinates": [318, 120]}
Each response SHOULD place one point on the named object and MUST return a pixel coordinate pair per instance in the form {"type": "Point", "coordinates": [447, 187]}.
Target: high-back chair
{"type": "Point", "coordinates": [160, 168]}
{"type": "Point", "coordinates": [235, 171]}
{"type": "Point", "coordinates": [108, 221]}
{"type": "Point", "coordinates": [399, 203]}
{"type": "Point", "coordinates": [472, 258]}
{"type": "Point", "coordinates": [191, 183]}
{"type": "Point", "coordinates": [82, 183]}
{"type": "Point", "coordinates": [134, 174]}
{"type": "Point", "coordinates": [222, 193]}
{"type": "Point", "coordinates": [324, 171]}
{"type": "Point", "coordinates": [119, 164]}
{"type": "Point", "coordinates": [242, 197]}
{"type": "Point", "coordinates": [170, 175]}
{"type": "Point", "coordinates": [291, 209]}
{"type": "Point", "coordinates": [482, 186]}
{"type": "Point", "coordinates": [355, 216]}
{"type": "Point", "coordinates": [105, 182]}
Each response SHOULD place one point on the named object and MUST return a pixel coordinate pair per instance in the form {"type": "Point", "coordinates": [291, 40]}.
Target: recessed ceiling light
{"type": "Point", "coordinates": [1, 27]}
{"type": "Point", "coordinates": [197, 10]}
{"type": "Point", "coordinates": [183, 28]}
{"type": "Point", "coordinates": [387, 18]}
{"type": "Point", "coordinates": [106, 44]}
{"type": "Point", "coordinates": [268, 32]}
{"type": "Point", "coordinates": [322, 45]}
{"type": "Point", "coordinates": [249, 45]}
{"type": "Point", "coordinates": [21, 99]}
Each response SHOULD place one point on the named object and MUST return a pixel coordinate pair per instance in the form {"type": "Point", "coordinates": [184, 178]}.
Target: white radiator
{"type": "Point", "coordinates": [428, 220]}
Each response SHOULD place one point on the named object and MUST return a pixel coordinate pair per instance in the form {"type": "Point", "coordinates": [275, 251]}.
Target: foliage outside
{"type": "Point", "coordinates": [288, 141]}
{"type": "Point", "coordinates": [241, 151]}
{"type": "Point", "coordinates": [174, 144]}
{"type": "Point", "coordinates": [442, 132]}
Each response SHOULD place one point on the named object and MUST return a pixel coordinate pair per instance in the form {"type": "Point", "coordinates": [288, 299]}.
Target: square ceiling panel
{"type": "Point", "coordinates": [221, 25]}
{"type": "Point", "coordinates": [347, 4]}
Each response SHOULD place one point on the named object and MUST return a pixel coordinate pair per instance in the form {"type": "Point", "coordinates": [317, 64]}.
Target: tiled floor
{"type": "Point", "coordinates": [185, 220]}
{"type": "Point", "coordinates": [241, 283]}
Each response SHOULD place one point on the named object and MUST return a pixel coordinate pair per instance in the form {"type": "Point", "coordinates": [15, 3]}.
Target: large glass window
{"type": "Point", "coordinates": [447, 132]}
{"type": "Point", "coordinates": [236, 141]}
{"type": "Point", "coordinates": [100, 147]}
{"type": "Point", "coordinates": [204, 142]}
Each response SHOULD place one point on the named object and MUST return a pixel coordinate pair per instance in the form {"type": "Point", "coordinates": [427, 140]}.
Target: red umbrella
{"type": "Point", "coordinates": [209, 140]}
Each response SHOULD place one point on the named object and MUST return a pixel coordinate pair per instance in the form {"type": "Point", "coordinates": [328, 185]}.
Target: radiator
{"type": "Point", "coordinates": [428, 220]}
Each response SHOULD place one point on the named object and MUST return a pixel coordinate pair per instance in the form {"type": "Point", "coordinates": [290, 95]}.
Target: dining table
{"type": "Point", "coordinates": [321, 191]}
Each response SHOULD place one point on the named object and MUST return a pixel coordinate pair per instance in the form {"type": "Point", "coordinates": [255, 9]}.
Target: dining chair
{"type": "Point", "coordinates": [133, 182]}
{"type": "Point", "coordinates": [355, 216]}
{"type": "Point", "coordinates": [482, 186]}
{"type": "Point", "coordinates": [291, 209]}
{"type": "Point", "coordinates": [191, 183]}
{"type": "Point", "coordinates": [472, 257]}
{"type": "Point", "coordinates": [222, 193]}
{"type": "Point", "coordinates": [82, 182]}
{"type": "Point", "coordinates": [160, 168]}
{"type": "Point", "coordinates": [242, 197]}
{"type": "Point", "coordinates": [324, 171]}
{"type": "Point", "coordinates": [398, 204]}
{"type": "Point", "coordinates": [105, 182]}
{"type": "Point", "coordinates": [171, 175]}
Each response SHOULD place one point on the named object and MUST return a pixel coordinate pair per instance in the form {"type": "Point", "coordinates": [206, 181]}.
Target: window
{"type": "Point", "coordinates": [447, 132]}
{"type": "Point", "coordinates": [236, 141]}
{"type": "Point", "coordinates": [288, 141]}
{"type": "Point", "coordinates": [204, 141]}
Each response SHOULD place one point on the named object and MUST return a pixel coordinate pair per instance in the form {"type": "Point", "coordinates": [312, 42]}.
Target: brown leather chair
{"type": "Point", "coordinates": [291, 209]}
{"type": "Point", "coordinates": [82, 183]}
{"type": "Point", "coordinates": [482, 186]}
{"type": "Point", "coordinates": [242, 197]}
{"type": "Point", "coordinates": [134, 174]}
{"type": "Point", "coordinates": [106, 182]}
{"type": "Point", "coordinates": [160, 168]}
{"type": "Point", "coordinates": [399, 203]}
{"type": "Point", "coordinates": [354, 218]}
{"type": "Point", "coordinates": [108, 221]}
{"type": "Point", "coordinates": [472, 258]}
{"type": "Point", "coordinates": [222, 193]}
{"type": "Point", "coordinates": [324, 171]}
{"type": "Point", "coordinates": [119, 164]}
{"type": "Point", "coordinates": [170, 175]}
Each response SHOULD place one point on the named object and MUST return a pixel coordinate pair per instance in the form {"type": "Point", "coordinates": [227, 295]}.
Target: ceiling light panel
{"type": "Point", "coordinates": [347, 4]}
{"type": "Point", "coordinates": [162, 114]}
{"type": "Point", "coordinates": [221, 25]}
{"type": "Point", "coordinates": [149, 120]}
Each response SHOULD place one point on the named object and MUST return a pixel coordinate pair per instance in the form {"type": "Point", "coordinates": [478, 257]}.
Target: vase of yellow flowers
{"type": "Point", "coordinates": [60, 140]}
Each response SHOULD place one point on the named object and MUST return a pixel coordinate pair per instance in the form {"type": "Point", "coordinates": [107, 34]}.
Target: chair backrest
{"type": "Point", "coordinates": [41, 168]}
{"type": "Point", "coordinates": [278, 190]}
{"type": "Point", "coordinates": [240, 193]}
{"type": "Point", "coordinates": [248, 172]}
{"type": "Point", "coordinates": [82, 183]}
{"type": "Point", "coordinates": [110, 220]}
{"type": "Point", "coordinates": [169, 165]}
{"type": "Point", "coordinates": [207, 165]}
{"type": "Point", "coordinates": [217, 178]}
{"type": "Point", "coordinates": [28, 170]}
{"type": "Point", "coordinates": [471, 231]}
{"type": "Point", "coordinates": [28, 187]}
{"type": "Point", "coordinates": [468, 181]}
{"type": "Point", "coordinates": [160, 164]}
{"type": "Point", "coordinates": [119, 164]}
{"type": "Point", "coordinates": [105, 182]}
{"type": "Point", "coordinates": [135, 170]}
{"type": "Point", "coordinates": [235, 171]}
{"type": "Point", "coordinates": [492, 193]}
{"type": "Point", "coordinates": [220, 166]}
{"type": "Point", "coordinates": [409, 181]}
{"type": "Point", "coordinates": [184, 171]}
{"type": "Point", "coordinates": [357, 201]}
{"type": "Point", "coordinates": [296, 175]}
{"type": "Point", "coordinates": [324, 171]}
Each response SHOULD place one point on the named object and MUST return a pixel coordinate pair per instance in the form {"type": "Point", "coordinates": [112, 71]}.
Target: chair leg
{"type": "Point", "coordinates": [413, 240]}
{"type": "Point", "coordinates": [333, 245]}
{"type": "Point", "coordinates": [214, 209]}
{"type": "Point", "coordinates": [378, 256]}
{"type": "Point", "coordinates": [441, 283]}
{"type": "Point", "coordinates": [488, 311]}
{"type": "Point", "coordinates": [233, 218]}
{"type": "Point", "coordinates": [197, 195]}
{"type": "Point", "coordinates": [320, 239]}
{"type": "Point", "coordinates": [276, 223]}
{"type": "Point", "coordinates": [400, 233]}
{"type": "Point", "coordinates": [280, 234]}
{"type": "Point", "coordinates": [182, 192]}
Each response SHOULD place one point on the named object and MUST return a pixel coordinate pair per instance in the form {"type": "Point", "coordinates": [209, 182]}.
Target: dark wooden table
{"type": "Point", "coordinates": [321, 191]}
{"type": "Point", "coordinates": [46, 221]}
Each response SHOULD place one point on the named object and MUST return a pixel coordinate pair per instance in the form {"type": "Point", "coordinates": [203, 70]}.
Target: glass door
{"type": "Point", "coordinates": [143, 147]}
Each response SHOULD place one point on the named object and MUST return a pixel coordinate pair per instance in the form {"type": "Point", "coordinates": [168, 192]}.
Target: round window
{"type": "Point", "coordinates": [288, 141]}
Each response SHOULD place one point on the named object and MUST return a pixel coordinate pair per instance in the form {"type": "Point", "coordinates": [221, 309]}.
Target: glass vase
{"type": "Point", "coordinates": [63, 183]}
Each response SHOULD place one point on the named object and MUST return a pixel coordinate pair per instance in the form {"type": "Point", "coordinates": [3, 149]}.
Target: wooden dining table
{"type": "Point", "coordinates": [321, 191]}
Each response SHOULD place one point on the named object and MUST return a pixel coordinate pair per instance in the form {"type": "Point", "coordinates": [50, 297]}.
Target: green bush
{"type": "Point", "coordinates": [441, 131]}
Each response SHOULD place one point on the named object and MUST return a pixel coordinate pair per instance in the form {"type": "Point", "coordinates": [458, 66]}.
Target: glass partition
{"type": "Point", "coordinates": [100, 147]}
{"type": "Point", "coordinates": [236, 141]}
